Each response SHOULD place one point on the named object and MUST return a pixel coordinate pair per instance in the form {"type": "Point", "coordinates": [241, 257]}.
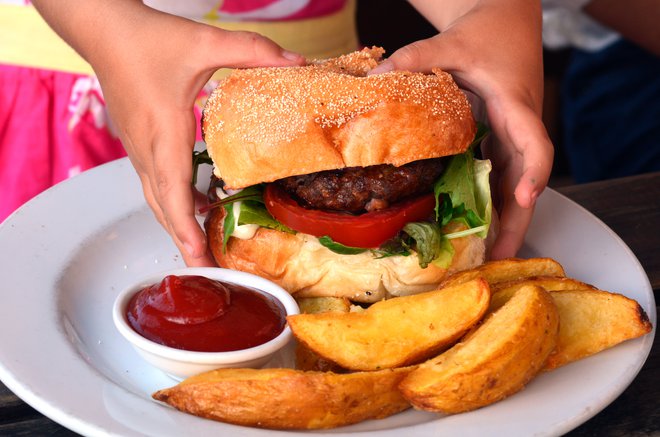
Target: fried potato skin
{"type": "Point", "coordinates": [496, 360]}
{"type": "Point", "coordinates": [323, 304]}
{"type": "Point", "coordinates": [395, 332]}
{"type": "Point", "coordinates": [592, 321]}
{"type": "Point", "coordinates": [503, 291]}
{"type": "Point", "coordinates": [287, 398]}
{"type": "Point", "coordinates": [505, 270]}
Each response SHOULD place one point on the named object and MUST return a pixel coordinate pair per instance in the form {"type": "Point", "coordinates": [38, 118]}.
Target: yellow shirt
{"type": "Point", "coordinates": [26, 39]}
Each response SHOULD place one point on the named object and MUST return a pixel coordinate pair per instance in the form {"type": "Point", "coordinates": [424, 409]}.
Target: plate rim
{"type": "Point", "coordinates": [72, 421]}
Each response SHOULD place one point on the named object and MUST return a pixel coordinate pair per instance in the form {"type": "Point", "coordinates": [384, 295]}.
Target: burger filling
{"type": "Point", "coordinates": [363, 189]}
{"type": "Point", "coordinates": [383, 209]}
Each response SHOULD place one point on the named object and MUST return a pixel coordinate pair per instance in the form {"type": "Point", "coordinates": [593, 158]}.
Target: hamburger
{"type": "Point", "coordinates": [331, 182]}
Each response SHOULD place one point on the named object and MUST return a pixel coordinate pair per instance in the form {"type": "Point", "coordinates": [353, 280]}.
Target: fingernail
{"type": "Point", "coordinates": [291, 56]}
{"type": "Point", "coordinates": [532, 197]}
{"type": "Point", "coordinates": [384, 67]}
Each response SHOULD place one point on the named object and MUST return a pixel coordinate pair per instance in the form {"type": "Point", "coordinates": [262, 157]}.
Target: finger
{"type": "Point", "coordinates": [148, 194]}
{"type": "Point", "coordinates": [441, 51]}
{"type": "Point", "coordinates": [173, 191]}
{"type": "Point", "coordinates": [522, 155]}
{"type": "Point", "coordinates": [537, 166]}
{"type": "Point", "coordinates": [518, 128]}
{"type": "Point", "coordinates": [514, 221]}
{"type": "Point", "coordinates": [206, 260]}
{"type": "Point", "coordinates": [242, 49]}
{"type": "Point", "coordinates": [412, 57]}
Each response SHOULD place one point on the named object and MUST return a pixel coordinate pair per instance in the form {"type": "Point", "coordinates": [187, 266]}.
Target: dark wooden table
{"type": "Point", "coordinates": [631, 207]}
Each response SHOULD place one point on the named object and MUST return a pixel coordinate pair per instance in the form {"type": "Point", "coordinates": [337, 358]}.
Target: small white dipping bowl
{"type": "Point", "coordinates": [181, 364]}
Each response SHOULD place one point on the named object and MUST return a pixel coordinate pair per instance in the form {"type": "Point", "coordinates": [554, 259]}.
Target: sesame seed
{"type": "Point", "coordinates": [276, 104]}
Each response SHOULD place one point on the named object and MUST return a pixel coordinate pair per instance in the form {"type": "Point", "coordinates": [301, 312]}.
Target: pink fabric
{"type": "Point", "coordinates": [42, 139]}
{"type": "Point", "coordinates": [54, 125]}
{"type": "Point", "coordinates": [308, 9]}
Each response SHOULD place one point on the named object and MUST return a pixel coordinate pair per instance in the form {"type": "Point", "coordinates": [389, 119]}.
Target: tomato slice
{"type": "Point", "coordinates": [368, 230]}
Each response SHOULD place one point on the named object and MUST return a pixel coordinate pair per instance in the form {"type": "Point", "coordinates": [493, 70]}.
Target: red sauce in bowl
{"type": "Point", "coordinates": [200, 314]}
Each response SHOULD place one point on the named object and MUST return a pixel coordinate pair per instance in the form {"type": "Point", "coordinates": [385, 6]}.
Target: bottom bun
{"type": "Point", "coordinates": [305, 268]}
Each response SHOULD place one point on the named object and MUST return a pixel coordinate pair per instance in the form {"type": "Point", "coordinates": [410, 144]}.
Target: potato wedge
{"type": "Point", "coordinates": [506, 270]}
{"type": "Point", "coordinates": [287, 398]}
{"type": "Point", "coordinates": [494, 361]}
{"type": "Point", "coordinates": [591, 320]}
{"type": "Point", "coordinates": [313, 305]}
{"type": "Point", "coordinates": [594, 320]}
{"type": "Point", "coordinates": [395, 332]}
{"type": "Point", "coordinates": [504, 290]}
{"type": "Point", "coordinates": [306, 359]}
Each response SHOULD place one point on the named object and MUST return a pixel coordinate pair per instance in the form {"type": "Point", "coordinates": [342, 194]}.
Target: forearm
{"type": "Point", "coordinates": [87, 25]}
{"type": "Point", "coordinates": [106, 33]}
{"type": "Point", "coordinates": [442, 13]}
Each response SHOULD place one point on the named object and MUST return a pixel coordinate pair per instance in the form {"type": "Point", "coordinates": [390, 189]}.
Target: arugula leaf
{"type": "Point", "coordinates": [444, 209]}
{"type": "Point", "coordinates": [428, 239]}
{"type": "Point", "coordinates": [253, 213]}
{"type": "Point", "coordinates": [227, 226]}
{"type": "Point", "coordinates": [249, 205]}
{"type": "Point", "coordinates": [393, 247]}
{"type": "Point", "coordinates": [396, 246]}
{"type": "Point", "coordinates": [199, 158]}
{"type": "Point", "coordinates": [482, 132]}
{"type": "Point", "coordinates": [339, 248]}
{"type": "Point", "coordinates": [465, 232]}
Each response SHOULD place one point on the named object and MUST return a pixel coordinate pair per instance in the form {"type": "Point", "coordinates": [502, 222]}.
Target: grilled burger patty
{"type": "Point", "coordinates": [360, 189]}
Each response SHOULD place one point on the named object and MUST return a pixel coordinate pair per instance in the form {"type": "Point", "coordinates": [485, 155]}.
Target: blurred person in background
{"type": "Point", "coordinates": [152, 65]}
{"type": "Point", "coordinates": [610, 90]}
{"type": "Point", "coordinates": [54, 120]}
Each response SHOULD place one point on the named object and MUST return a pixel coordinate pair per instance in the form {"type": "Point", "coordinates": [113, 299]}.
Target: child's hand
{"type": "Point", "coordinates": [493, 48]}
{"type": "Point", "coordinates": [151, 67]}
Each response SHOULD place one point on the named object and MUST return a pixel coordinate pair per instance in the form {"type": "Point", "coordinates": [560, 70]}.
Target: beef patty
{"type": "Point", "coordinates": [360, 189]}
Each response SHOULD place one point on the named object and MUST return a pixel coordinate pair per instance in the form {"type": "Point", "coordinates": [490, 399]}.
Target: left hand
{"type": "Point", "coordinates": [493, 49]}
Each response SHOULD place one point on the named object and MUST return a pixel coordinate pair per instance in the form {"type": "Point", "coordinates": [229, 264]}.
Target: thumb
{"type": "Point", "coordinates": [240, 49]}
{"type": "Point", "coordinates": [420, 56]}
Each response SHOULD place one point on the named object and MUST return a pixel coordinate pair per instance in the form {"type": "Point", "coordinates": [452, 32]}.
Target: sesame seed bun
{"type": "Point", "coordinates": [264, 124]}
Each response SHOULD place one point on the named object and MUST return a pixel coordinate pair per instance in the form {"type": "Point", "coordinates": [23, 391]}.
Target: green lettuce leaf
{"type": "Point", "coordinates": [428, 240]}
{"type": "Point", "coordinates": [446, 254]}
{"type": "Point", "coordinates": [463, 193]}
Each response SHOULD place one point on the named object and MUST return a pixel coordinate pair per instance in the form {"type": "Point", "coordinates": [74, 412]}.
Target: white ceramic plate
{"type": "Point", "coordinates": [66, 254]}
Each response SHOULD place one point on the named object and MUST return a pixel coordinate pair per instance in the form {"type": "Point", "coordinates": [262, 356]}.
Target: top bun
{"type": "Point", "coordinates": [264, 124]}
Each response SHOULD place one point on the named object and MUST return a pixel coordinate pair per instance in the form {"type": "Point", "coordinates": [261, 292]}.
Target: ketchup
{"type": "Point", "coordinates": [200, 314]}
